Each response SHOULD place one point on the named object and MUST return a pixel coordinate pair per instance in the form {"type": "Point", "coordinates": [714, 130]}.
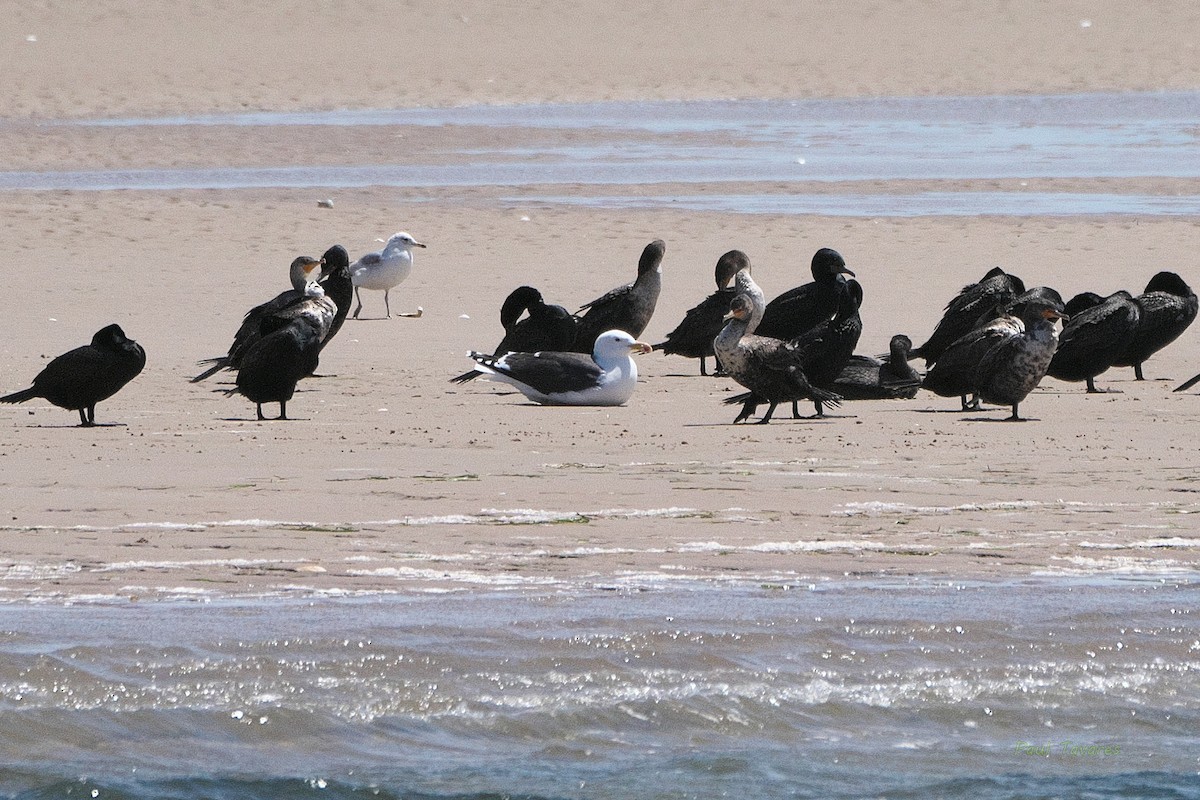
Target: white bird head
{"type": "Point", "coordinates": [401, 240]}
{"type": "Point", "coordinates": [616, 344]}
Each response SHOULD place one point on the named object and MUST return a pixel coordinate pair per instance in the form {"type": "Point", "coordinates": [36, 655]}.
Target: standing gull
{"type": "Point", "coordinates": [693, 337]}
{"type": "Point", "coordinates": [606, 378]}
{"type": "Point", "coordinates": [626, 308]}
{"type": "Point", "coordinates": [384, 269]}
{"type": "Point", "coordinates": [80, 378]}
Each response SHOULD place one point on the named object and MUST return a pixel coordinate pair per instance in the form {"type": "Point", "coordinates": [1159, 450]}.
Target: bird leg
{"type": "Point", "coordinates": [1015, 416]}
{"type": "Point", "coordinates": [767, 416]}
{"type": "Point", "coordinates": [387, 307]}
{"type": "Point", "coordinates": [970, 405]}
{"type": "Point", "coordinates": [84, 422]}
{"type": "Point", "coordinates": [282, 410]}
{"type": "Point", "coordinates": [703, 370]}
{"type": "Point", "coordinates": [1137, 373]}
{"type": "Point", "coordinates": [359, 299]}
{"type": "Point", "coordinates": [261, 417]}
{"type": "Point", "coordinates": [747, 409]}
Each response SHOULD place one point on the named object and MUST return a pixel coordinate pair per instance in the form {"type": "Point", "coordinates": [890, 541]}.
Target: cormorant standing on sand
{"type": "Point", "coordinates": [302, 270]}
{"type": "Point", "coordinates": [822, 351]}
{"type": "Point", "coordinates": [1168, 307]}
{"type": "Point", "coordinates": [972, 307]}
{"type": "Point", "coordinates": [1098, 329]}
{"type": "Point", "coordinates": [693, 337]}
{"type": "Point", "coordinates": [1016, 364]}
{"type": "Point", "coordinates": [284, 355]}
{"type": "Point", "coordinates": [80, 378]}
{"type": "Point", "coordinates": [626, 308]}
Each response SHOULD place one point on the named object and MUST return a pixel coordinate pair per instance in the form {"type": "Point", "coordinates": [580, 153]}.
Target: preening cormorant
{"type": "Point", "coordinates": [1167, 307]}
{"type": "Point", "coordinates": [1097, 331]}
{"type": "Point", "coordinates": [80, 378]}
{"type": "Point", "coordinates": [285, 353]}
{"type": "Point", "coordinates": [303, 269]}
{"type": "Point", "coordinates": [972, 307]}
{"type": "Point", "coordinates": [531, 325]}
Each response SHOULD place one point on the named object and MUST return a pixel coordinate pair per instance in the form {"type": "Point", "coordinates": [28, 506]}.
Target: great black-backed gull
{"type": "Point", "coordinates": [606, 378]}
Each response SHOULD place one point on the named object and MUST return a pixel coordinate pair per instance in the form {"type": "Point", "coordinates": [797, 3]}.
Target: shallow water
{"type": "Point", "coordinates": [1031, 688]}
{"type": "Point", "coordinates": [647, 144]}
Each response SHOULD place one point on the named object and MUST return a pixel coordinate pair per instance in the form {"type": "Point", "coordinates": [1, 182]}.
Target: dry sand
{"type": "Point", "coordinates": [393, 479]}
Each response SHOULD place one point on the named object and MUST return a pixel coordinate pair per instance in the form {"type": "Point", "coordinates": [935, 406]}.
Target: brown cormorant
{"type": "Point", "coordinates": [693, 337]}
{"type": "Point", "coordinates": [531, 325]}
{"type": "Point", "coordinates": [626, 308]}
{"type": "Point", "coordinates": [1016, 364]}
{"type": "Point", "coordinates": [821, 352]}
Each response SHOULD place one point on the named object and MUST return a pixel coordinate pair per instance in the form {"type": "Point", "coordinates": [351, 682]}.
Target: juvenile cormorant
{"type": "Point", "coordinates": [606, 378]}
{"type": "Point", "coordinates": [888, 378]}
{"type": "Point", "coordinates": [972, 307]}
{"type": "Point", "coordinates": [1168, 307]}
{"type": "Point", "coordinates": [384, 269]}
{"type": "Point", "coordinates": [80, 378]}
{"type": "Point", "coordinates": [693, 337]}
{"type": "Point", "coordinates": [821, 351]}
{"type": "Point", "coordinates": [766, 366]}
{"type": "Point", "coordinates": [1011, 369]}
{"type": "Point", "coordinates": [796, 310]}
{"type": "Point", "coordinates": [1098, 329]}
{"type": "Point", "coordinates": [626, 308]}
{"type": "Point", "coordinates": [285, 354]}
{"type": "Point", "coordinates": [953, 373]}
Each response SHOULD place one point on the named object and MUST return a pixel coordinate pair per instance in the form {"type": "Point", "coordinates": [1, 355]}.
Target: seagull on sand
{"type": "Point", "coordinates": [606, 378]}
{"type": "Point", "coordinates": [384, 269]}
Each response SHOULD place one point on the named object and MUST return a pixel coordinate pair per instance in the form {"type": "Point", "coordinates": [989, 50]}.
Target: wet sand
{"type": "Point", "coordinates": [392, 479]}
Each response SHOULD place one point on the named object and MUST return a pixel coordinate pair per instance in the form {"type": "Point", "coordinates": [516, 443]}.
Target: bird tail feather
{"type": "Point", "coordinates": [1183, 387]}
{"type": "Point", "coordinates": [21, 396]}
{"type": "Point", "coordinates": [218, 364]}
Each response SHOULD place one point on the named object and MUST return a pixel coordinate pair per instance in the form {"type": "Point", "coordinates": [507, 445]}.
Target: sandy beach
{"type": "Point", "coordinates": [390, 478]}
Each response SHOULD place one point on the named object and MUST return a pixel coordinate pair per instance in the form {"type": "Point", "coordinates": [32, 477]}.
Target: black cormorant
{"type": "Point", "coordinates": [626, 308]}
{"type": "Point", "coordinates": [1097, 330]}
{"type": "Point", "coordinates": [1168, 307]}
{"type": "Point", "coordinates": [796, 310]}
{"type": "Point", "coordinates": [80, 378]}
{"type": "Point", "coordinates": [972, 307]}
